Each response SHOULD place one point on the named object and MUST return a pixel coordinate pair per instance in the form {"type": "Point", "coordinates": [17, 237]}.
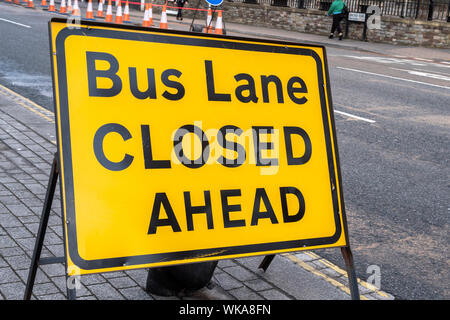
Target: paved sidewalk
{"type": "Point", "coordinates": [27, 145]}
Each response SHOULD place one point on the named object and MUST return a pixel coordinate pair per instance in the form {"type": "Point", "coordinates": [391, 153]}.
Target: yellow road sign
{"type": "Point", "coordinates": [178, 147]}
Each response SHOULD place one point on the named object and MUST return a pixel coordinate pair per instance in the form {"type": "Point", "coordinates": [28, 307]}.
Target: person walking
{"type": "Point", "coordinates": [180, 5]}
{"type": "Point", "coordinates": [337, 9]}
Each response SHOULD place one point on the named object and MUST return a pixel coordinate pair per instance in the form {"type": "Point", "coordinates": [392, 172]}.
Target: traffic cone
{"type": "Point", "coordinates": [126, 13]}
{"type": "Point", "coordinates": [219, 24]}
{"type": "Point", "coordinates": [76, 9]}
{"type": "Point", "coordinates": [51, 6]}
{"type": "Point", "coordinates": [30, 4]}
{"type": "Point", "coordinates": [163, 21]}
{"type": "Point", "coordinates": [16, 1]}
{"type": "Point", "coordinates": [119, 17]}
{"type": "Point", "coordinates": [209, 21]}
{"type": "Point", "coordinates": [69, 7]}
{"type": "Point", "coordinates": [89, 11]}
{"type": "Point", "coordinates": [8, 0]}
{"type": "Point", "coordinates": [150, 15]}
{"type": "Point", "coordinates": [100, 10]}
{"type": "Point", "coordinates": [146, 20]}
{"type": "Point", "coordinates": [62, 7]}
{"type": "Point", "coordinates": [44, 4]}
{"type": "Point", "coordinates": [109, 17]}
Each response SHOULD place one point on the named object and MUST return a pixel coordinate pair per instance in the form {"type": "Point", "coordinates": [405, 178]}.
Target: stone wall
{"type": "Point", "coordinates": [412, 32]}
{"type": "Point", "coordinates": [393, 30]}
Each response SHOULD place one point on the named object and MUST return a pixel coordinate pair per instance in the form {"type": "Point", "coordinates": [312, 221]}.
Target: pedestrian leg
{"type": "Point", "coordinates": [338, 27]}
{"type": "Point", "coordinates": [333, 26]}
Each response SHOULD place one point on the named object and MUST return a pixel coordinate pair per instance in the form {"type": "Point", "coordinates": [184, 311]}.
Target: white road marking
{"type": "Point", "coordinates": [434, 71]}
{"type": "Point", "coordinates": [413, 62]}
{"type": "Point", "coordinates": [353, 116]}
{"type": "Point", "coordinates": [422, 59]}
{"type": "Point", "coordinates": [425, 74]}
{"type": "Point", "coordinates": [395, 78]}
{"type": "Point", "coordinates": [16, 23]}
{"type": "Point", "coordinates": [385, 60]}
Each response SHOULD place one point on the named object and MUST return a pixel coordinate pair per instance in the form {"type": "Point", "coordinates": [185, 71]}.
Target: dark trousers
{"type": "Point", "coordinates": [337, 23]}
{"type": "Point", "coordinates": [180, 14]}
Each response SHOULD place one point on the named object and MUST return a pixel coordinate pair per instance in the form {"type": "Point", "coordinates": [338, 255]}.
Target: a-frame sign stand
{"type": "Point", "coordinates": [36, 259]}
{"type": "Point", "coordinates": [62, 61]}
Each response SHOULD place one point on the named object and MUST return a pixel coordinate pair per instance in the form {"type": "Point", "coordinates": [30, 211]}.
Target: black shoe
{"type": "Point", "coordinates": [330, 36]}
{"type": "Point", "coordinates": [340, 36]}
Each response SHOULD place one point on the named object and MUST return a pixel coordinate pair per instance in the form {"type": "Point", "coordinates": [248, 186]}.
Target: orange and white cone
{"type": "Point", "coordinates": [62, 7]}
{"type": "Point", "coordinates": [8, 0]}
{"type": "Point", "coordinates": [69, 7]}
{"type": "Point", "coordinates": [16, 1]}
{"type": "Point", "coordinates": [30, 4]}
{"type": "Point", "coordinates": [119, 16]}
{"type": "Point", "coordinates": [100, 10]}
{"type": "Point", "coordinates": [109, 17]}
{"type": "Point", "coordinates": [163, 21]}
{"type": "Point", "coordinates": [146, 20]}
{"type": "Point", "coordinates": [219, 24]}
{"type": "Point", "coordinates": [44, 3]}
{"type": "Point", "coordinates": [209, 21]}
{"type": "Point", "coordinates": [89, 11]}
{"type": "Point", "coordinates": [150, 15]}
{"type": "Point", "coordinates": [76, 9]}
{"type": "Point", "coordinates": [126, 13]}
{"type": "Point", "coordinates": [51, 6]}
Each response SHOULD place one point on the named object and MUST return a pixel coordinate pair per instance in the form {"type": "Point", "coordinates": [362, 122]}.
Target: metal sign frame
{"type": "Point", "coordinates": [64, 154]}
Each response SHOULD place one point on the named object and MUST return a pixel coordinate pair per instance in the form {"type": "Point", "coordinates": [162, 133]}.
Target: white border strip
{"type": "Point", "coordinates": [353, 116]}
{"type": "Point", "coordinates": [16, 23]}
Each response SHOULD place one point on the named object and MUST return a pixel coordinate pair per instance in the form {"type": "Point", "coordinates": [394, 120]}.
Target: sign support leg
{"type": "Point", "coordinates": [352, 280]}
{"type": "Point", "coordinates": [266, 262]}
{"type": "Point", "coordinates": [36, 259]}
{"type": "Point", "coordinates": [42, 229]}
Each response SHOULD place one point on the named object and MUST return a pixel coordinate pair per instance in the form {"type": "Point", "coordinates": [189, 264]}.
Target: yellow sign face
{"type": "Point", "coordinates": [179, 147]}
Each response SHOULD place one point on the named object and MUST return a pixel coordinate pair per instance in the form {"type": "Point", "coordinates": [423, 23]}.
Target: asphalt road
{"type": "Point", "coordinates": [392, 118]}
{"type": "Point", "coordinates": [396, 172]}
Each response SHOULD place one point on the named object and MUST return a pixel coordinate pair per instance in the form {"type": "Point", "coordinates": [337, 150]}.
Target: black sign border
{"type": "Point", "coordinates": [207, 40]}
